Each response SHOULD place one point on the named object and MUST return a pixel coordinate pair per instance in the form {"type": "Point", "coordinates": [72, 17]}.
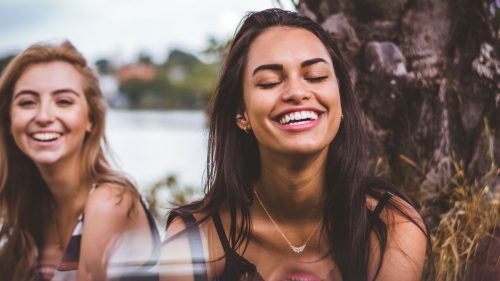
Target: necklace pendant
{"type": "Point", "coordinates": [298, 250]}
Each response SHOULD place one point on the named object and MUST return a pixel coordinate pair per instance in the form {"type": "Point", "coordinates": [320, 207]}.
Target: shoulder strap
{"type": "Point", "coordinates": [236, 265]}
{"type": "Point", "coordinates": [381, 204]}
{"type": "Point", "coordinates": [155, 254]}
{"type": "Point", "coordinates": [222, 234]}
{"type": "Point", "coordinates": [196, 247]}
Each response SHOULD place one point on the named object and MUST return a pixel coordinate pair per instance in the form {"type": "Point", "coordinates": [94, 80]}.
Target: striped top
{"type": "Point", "coordinates": [68, 267]}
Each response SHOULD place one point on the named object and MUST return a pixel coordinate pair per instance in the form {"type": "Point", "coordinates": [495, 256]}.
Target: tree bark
{"type": "Point", "coordinates": [427, 76]}
{"type": "Point", "coordinates": [426, 73]}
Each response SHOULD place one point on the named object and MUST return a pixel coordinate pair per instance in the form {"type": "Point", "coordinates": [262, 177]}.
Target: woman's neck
{"type": "Point", "coordinates": [66, 184]}
{"type": "Point", "coordinates": [292, 187]}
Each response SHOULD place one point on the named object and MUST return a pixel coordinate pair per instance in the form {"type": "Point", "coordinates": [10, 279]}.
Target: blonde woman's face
{"type": "Point", "coordinates": [49, 113]}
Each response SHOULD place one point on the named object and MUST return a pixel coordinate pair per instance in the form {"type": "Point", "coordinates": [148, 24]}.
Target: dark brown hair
{"type": "Point", "coordinates": [233, 164]}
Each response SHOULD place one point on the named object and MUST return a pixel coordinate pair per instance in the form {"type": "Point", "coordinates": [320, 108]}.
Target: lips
{"type": "Point", "coordinates": [46, 136]}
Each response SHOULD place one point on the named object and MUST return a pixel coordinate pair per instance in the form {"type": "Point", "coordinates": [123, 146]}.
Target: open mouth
{"type": "Point", "coordinates": [298, 118]}
{"type": "Point", "coordinates": [46, 136]}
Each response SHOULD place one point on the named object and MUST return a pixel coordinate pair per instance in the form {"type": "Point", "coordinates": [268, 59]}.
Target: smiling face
{"type": "Point", "coordinates": [49, 113]}
{"type": "Point", "coordinates": [290, 91]}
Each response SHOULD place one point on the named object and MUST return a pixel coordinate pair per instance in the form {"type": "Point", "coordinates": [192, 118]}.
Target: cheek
{"type": "Point", "coordinates": [258, 106]}
{"type": "Point", "coordinates": [18, 122]}
{"type": "Point", "coordinates": [77, 118]}
{"type": "Point", "coordinates": [330, 97]}
{"type": "Point", "coordinates": [17, 130]}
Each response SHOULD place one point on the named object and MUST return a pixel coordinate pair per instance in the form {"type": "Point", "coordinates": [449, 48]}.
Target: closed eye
{"type": "Point", "coordinates": [268, 85]}
{"type": "Point", "coordinates": [65, 102]}
{"type": "Point", "coordinates": [25, 103]}
{"type": "Point", "coordinates": [317, 79]}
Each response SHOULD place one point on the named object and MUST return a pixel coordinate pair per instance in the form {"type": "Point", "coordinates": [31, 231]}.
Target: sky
{"type": "Point", "coordinates": [121, 29]}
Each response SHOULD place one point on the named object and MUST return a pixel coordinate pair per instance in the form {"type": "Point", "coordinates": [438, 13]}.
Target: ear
{"type": "Point", "coordinates": [242, 122]}
{"type": "Point", "coordinates": [89, 126]}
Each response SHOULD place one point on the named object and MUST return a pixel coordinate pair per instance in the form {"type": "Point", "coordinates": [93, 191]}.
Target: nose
{"type": "Point", "coordinates": [296, 90]}
{"type": "Point", "coordinates": [44, 115]}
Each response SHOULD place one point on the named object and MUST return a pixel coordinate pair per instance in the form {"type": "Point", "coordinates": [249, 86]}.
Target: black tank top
{"type": "Point", "coordinates": [236, 267]}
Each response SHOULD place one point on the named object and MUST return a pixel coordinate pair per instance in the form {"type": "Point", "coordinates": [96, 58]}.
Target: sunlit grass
{"type": "Point", "coordinates": [474, 215]}
{"type": "Point", "coordinates": [468, 213]}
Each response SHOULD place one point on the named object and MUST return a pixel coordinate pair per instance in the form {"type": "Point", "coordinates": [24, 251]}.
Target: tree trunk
{"type": "Point", "coordinates": [426, 74]}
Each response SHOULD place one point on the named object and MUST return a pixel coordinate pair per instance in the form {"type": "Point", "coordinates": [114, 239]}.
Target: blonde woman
{"type": "Point", "coordinates": [63, 208]}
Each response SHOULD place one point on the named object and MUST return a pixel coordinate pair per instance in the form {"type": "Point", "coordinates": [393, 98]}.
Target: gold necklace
{"type": "Point", "coordinates": [295, 249]}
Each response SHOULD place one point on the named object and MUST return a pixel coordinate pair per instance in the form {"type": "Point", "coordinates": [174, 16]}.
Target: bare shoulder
{"type": "Point", "coordinates": [178, 225]}
{"type": "Point", "coordinates": [405, 250]}
{"type": "Point", "coordinates": [111, 199]}
{"type": "Point", "coordinates": [396, 211]}
{"type": "Point", "coordinates": [111, 215]}
{"type": "Point", "coordinates": [178, 247]}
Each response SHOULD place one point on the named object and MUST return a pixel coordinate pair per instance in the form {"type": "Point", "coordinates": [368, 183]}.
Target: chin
{"type": "Point", "coordinates": [43, 160]}
{"type": "Point", "coordinates": [306, 148]}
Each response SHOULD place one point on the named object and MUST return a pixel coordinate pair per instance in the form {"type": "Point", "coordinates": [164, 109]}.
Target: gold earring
{"type": "Point", "coordinates": [247, 128]}
{"type": "Point", "coordinates": [341, 116]}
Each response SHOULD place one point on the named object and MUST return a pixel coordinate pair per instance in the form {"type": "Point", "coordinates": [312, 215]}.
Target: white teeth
{"type": "Point", "coordinates": [297, 118]}
{"type": "Point", "coordinates": [46, 136]}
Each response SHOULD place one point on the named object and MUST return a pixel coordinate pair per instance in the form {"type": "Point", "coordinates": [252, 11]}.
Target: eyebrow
{"type": "Point", "coordinates": [56, 92]}
{"type": "Point", "coordinates": [279, 67]}
{"type": "Point", "coordinates": [24, 92]}
{"type": "Point", "coordinates": [312, 61]}
{"type": "Point", "coordinates": [274, 67]}
{"type": "Point", "coordinates": [66, 90]}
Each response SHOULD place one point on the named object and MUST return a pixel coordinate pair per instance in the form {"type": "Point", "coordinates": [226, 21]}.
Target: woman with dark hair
{"type": "Point", "coordinates": [287, 191]}
{"type": "Point", "coordinates": [63, 209]}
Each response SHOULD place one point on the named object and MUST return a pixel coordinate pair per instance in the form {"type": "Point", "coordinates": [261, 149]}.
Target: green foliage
{"type": "Point", "coordinates": [181, 58]}
{"type": "Point", "coordinates": [165, 194]}
{"type": "Point", "coordinates": [145, 58]}
{"type": "Point", "coordinates": [216, 49]}
{"type": "Point", "coordinates": [147, 94]}
{"type": "Point", "coordinates": [104, 66]}
{"type": "Point", "coordinates": [182, 81]}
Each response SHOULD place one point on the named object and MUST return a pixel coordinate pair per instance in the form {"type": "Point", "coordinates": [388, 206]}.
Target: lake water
{"type": "Point", "coordinates": [149, 145]}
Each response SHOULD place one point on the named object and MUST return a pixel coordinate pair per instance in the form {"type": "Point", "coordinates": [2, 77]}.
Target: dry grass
{"type": "Point", "coordinates": [473, 216]}
{"type": "Point", "coordinates": [467, 213]}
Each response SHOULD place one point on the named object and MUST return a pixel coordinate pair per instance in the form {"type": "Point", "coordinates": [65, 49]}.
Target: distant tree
{"type": "Point", "coordinates": [216, 50]}
{"type": "Point", "coordinates": [182, 81]}
{"type": "Point", "coordinates": [104, 66]}
{"type": "Point", "coordinates": [145, 58]}
{"type": "Point", "coordinates": [181, 58]}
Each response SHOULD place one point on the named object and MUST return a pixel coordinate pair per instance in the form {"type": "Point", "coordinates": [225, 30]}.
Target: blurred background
{"type": "Point", "coordinates": [158, 62]}
{"type": "Point", "coordinates": [426, 74]}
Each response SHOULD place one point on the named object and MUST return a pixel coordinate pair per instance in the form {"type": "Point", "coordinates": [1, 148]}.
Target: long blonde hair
{"type": "Point", "coordinates": [23, 192]}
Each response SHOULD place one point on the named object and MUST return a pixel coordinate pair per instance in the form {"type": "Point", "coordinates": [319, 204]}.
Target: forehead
{"type": "Point", "coordinates": [49, 76]}
{"type": "Point", "coordinates": [284, 45]}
